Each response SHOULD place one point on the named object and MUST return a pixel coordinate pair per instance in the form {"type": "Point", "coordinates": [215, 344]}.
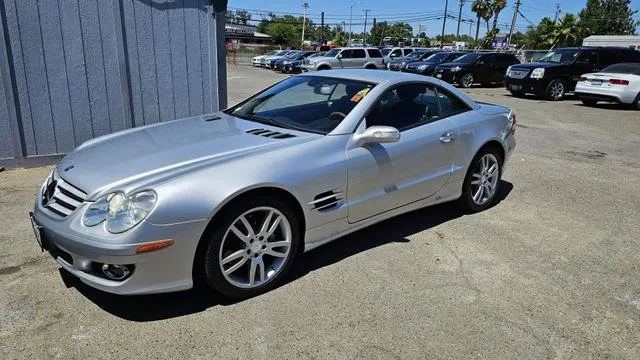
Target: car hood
{"type": "Point", "coordinates": [452, 65]}
{"type": "Point", "coordinates": [535, 65]}
{"type": "Point", "coordinates": [157, 152]}
{"type": "Point", "coordinates": [419, 63]}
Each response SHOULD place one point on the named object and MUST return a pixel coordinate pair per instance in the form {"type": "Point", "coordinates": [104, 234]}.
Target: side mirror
{"type": "Point", "coordinates": [339, 56]}
{"type": "Point", "coordinates": [378, 135]}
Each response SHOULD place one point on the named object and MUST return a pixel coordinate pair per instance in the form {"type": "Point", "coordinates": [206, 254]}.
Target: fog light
{"type": "Point", "coordinates": [116, 272]}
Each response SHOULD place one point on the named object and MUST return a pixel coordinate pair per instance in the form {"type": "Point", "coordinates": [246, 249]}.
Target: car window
{"type": "Point", "coordinates": [587, 58]}
{"type": "Point", "coordinates": [628, 56]}
{"type": "Point", "coordinates": [405, 107]}
{"type": "Point", "coordinates": [450, 104]}
{"type": "Point", "coordinates": [307, 103]}
{"type": "Point", "coordinates": [347, 54]}
{"type": "Point", "coordinates": [396, 52]}
{"type": "Point", "coordinates": [608, 57]}
{"type": "Point", "coordinates": [374, 53]}
{"type": "Point", "coordinates": [407, 51]}
{"type": "Point", "coordinates": [358, 54]}
{"type": "Point", "coordinates": [629, 68]}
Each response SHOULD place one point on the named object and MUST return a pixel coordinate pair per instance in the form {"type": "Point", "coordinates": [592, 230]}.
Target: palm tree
{"type": "Point", "coordinates": [496, 7]}
{"type": "Point", "coordinates": [563, 33]}
{"type": "Point", "coordinates": [482, 8]}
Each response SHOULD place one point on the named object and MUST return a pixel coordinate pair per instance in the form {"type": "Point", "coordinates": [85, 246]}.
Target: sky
{"type": "Point", "coordinates": [415, 12]}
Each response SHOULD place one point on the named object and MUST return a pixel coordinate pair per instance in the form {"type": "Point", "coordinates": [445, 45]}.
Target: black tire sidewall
{"type": "Point", "coordinates": [548, 91]}
{"type": "Point", "coordinates": [466, 198]}
{"type": "Point", "coordinates": [462, 81]}
{"type": "Point", "coordinates": [211, 268]}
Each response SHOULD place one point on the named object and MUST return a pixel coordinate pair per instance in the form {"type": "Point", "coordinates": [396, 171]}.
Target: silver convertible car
{"type": "Point", "coordinates": [230, 199]}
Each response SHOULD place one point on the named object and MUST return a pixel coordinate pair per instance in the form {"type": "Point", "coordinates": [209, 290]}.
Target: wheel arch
{"type": "Point", "coordinates": [264, 190]}
{"type": "Point", "coordinates": [492, 144]}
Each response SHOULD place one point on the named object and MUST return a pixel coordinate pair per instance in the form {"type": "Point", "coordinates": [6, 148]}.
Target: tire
{"type": "Point", "coordinates": [245, 250]}
{"type": "Point", "coordinates": [470, 199]}
{"type": "Point", "coordinates": [588, 102]}
{"type": "Point", "coordinates": [636, 103]}
{"type": "Point", "coordinates": [370, 67]}
{"type": "Point", "coordinates": [466, 80]}
{"type": "Point", "coordinates": [323, 67]}
{"type": "Point", "coordinates": [556, 90]}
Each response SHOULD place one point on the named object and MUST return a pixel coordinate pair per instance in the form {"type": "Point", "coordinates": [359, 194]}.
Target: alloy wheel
{"type": "Point", "coordinates": [556, 90]}
{"type": "Point", "coordinates": [250, 258]}
{"type": "Point", "coordinates": [467, 80]}
{"type": "Point", "coordinates": [484, 179]}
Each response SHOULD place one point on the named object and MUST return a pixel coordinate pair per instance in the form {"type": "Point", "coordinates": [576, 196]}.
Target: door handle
{"type": "Point", "coordinates": [447, 137]}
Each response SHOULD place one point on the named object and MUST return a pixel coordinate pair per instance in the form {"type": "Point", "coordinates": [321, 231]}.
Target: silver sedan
{"type": "Point", "coordinates": [230, 199]}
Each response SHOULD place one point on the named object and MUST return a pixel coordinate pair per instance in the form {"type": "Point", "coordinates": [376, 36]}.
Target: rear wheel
{"type": "Point", "coordinates": [466, 80]}
{"type": "Point", "coordinates": [370, 67]}
{"type": "Point", "coordinates": [252, 247]}
{"type": "Point", "coordinates": [482, 181]}
{"type": "Point", "coordinates": [555, 90]}
{"type": "Point", "coordinates": [323, 67]}
{"type": "Point", "coordinates": [636, 103]}
{"type": "Point", "coordinates": [589, 102]}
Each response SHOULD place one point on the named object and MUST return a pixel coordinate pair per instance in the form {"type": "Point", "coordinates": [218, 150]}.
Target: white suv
{"type": "Point", "coordinates": [346, 58]}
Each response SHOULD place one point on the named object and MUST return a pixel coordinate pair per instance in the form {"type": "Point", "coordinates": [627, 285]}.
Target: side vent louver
{"type": "Point", "coordinates": [270, 134]}
{"type": "Point", "coordinates": [326, 200]}
{"type": "Point", "coordinates": [211, 118]}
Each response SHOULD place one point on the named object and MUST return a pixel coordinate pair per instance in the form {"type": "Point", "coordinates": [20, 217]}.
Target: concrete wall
{"type": "Point", "coordinates": [76, 69]}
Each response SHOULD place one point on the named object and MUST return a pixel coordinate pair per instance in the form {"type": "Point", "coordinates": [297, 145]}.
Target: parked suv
{"type": "Point", "coordinates": [484, 68]}
{"type": "Point", "coordinates": [350, 57]}
{"type": "Point", "coordinates": [558, 71]}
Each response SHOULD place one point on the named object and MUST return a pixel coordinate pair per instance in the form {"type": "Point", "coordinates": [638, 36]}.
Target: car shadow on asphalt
{"type": "Point", "coordinates": [143, 308]}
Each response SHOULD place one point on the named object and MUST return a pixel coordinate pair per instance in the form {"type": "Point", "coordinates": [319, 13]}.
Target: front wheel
{"type": "Point", "coordinates": [555, 90]}
{"type": "Point", "coordinates": [252, 247]}
{"type": "Point", "coordinates": [482, 181]}
{"type": "Point", "coordinates": [466, 80]}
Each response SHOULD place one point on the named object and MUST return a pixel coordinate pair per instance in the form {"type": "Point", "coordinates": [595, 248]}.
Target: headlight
{"type": "Point", "coordinates": [537, 73]}
{"type": "Point", "coordinates": [456, 69]}
{"type": "Point", "coordinates": [96, 212]}
{"type": "Point", "coordinates": [423, 67]}
{"type": "Point", "coordinates": [286, 62]}
{"type": "Point", "coordinates": [120, 212]}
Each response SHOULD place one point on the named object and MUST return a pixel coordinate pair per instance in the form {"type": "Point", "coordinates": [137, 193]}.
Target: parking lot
{"type": "Point", "coordinates": [550, 272]}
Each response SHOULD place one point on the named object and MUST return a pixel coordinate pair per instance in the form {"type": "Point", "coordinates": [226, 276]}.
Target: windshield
{"type": "Point", "coordinates": [385, 51]}
{"type": "Point", "coordinates": [623, 69]}
{"type": "Point", "coordinates": [413, 56]}
{"type": "Point", "coordinates": [307, 103]}
{"type": "Point", "coordinates": [438, 56]}
{"type": "Point", "coordinates": [332, 52]}
{"type": "Point", "coordinates": [468, 58]}
{"type": "Point", "coordinates": [560, 56]}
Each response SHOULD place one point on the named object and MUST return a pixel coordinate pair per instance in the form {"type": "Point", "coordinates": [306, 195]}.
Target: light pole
{"type": "Point", "coordinates": [350, 17]}
{"type": "Point", "coordinates": [304, 20]}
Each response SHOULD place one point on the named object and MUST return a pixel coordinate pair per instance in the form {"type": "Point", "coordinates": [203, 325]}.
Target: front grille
{"type": "Point", "coordinates": [60, 197]}
{"type": "Point", "coordinates": [517, 74]}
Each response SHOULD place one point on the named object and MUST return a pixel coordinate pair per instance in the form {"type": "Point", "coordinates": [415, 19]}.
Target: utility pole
{"type": "Point", "coordinates": [513, 22]}
{"type": "Point", "coordinates": [460, 16]}
{"type": "Point", "coordinates": [304, 20]}
{"type": "Point", "coordinates": [322, 28]}
{"type": "Point", "coordinates": [373, 26]}
{"type": "Point", "coordinates": [558, 11]}
{"type": "Point", "coordinates": [350, 20]}
{"type": "Point", "coordinates": [444, 22]}
{"type": "Point", "coordinates": [364, 38]}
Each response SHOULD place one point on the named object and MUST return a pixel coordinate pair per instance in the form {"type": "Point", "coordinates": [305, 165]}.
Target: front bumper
{"type": "Point", "coordinates": [446, 75]}
{"type": "Point", "coordinates": [79, 250]}
{"type": "Point", "coordinates": [526, 85]}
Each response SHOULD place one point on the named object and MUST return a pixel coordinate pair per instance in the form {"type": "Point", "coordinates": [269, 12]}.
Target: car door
{"type": "Point", "coordinates": [344, 59]}
{"type": "Point", "coordinates": [586, 62]}
{"type": "Point", "coordinates": [358, 58]}
{"type": "Point", "coordinates": [385, 176]}
{"type": "Point", "coordinates": [480, 69]}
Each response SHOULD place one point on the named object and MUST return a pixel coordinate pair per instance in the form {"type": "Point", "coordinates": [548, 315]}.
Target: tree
{"type": "Point", "coordinates": [242, 17]}
{"type": "Point", "coordinates": [564, 33]}
{"type": "Point", "coordinates": [496, 7]}
{"type": "Point", "coordinates": [607, 17]}
{"type": "Point", "coordinates": [482, 8]}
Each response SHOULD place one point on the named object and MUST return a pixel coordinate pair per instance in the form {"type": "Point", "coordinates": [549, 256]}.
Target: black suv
{"type": "Point", "coordinates": [558, 71]}
{"type": "Point", "coordinates": [484, 68]}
